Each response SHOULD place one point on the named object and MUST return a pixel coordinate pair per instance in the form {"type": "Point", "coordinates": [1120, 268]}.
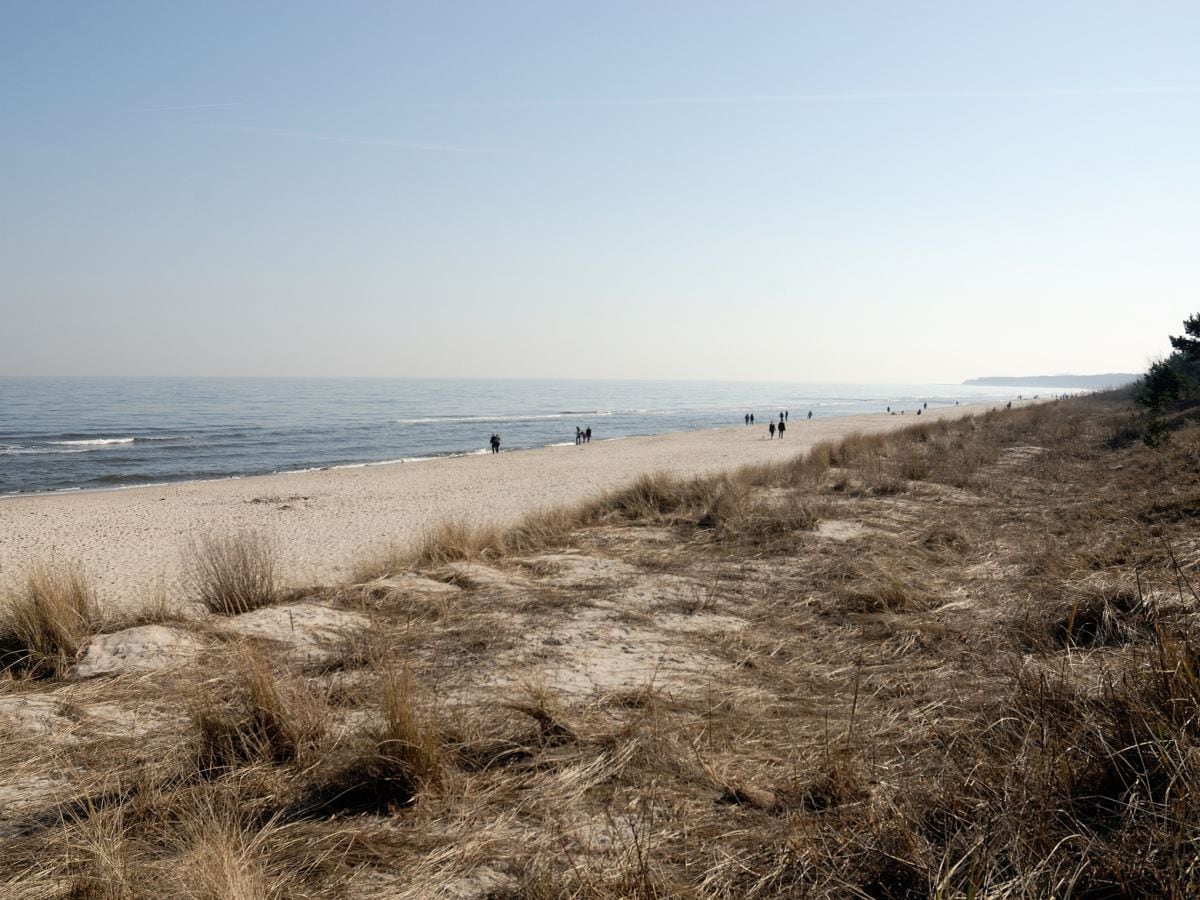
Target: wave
{"type": "Point", "coordinates": [140, 439]}
{"type": "Point", "coordinates": [39, 451]}
{"type": "Point", "coordinates": [451, 420]}
{"type": "Point", "coordinates": [94, 442]}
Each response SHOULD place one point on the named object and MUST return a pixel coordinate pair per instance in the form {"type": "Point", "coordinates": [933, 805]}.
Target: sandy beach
{"type": "Point", "coordinates": [321, 521]}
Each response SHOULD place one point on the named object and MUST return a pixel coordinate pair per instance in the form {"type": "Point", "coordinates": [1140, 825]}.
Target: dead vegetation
{"type": "Point", "coordinates": [46, 620]}
{"type": "Point", "coordinates": [987, 686]}
{"type": "Point", "coordinates": [231, 574]}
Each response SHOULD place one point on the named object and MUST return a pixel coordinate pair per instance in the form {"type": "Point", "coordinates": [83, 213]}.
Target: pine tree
{"type": "Point", "coordinates": [1188, 343]}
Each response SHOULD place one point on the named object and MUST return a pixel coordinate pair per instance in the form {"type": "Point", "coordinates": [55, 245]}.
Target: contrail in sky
{"type": "Point", "coordinates": [819, 97]}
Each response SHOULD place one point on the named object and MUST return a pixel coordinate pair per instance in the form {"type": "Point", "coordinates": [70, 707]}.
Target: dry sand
{"type": "Point", "coordinates": [128, 540]}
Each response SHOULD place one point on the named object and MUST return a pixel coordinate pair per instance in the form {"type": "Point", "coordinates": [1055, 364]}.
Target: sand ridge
{"type": "Point", "coordinates": [130, 540]}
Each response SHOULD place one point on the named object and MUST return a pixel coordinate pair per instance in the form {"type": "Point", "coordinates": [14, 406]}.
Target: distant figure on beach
{"type": "Point", "coordinates": [495, 442]}
{"type": "Point", "coordinates": [782, 429]}
{"type": "Point", "coordinates": [810, 413]}
{"type": "Point", "coordinates": [751, 418]}
{"type": "Point", "coordinates": [889, 409]}
{"type": "Point", "coordinates": [926, 406]}
{"type": "Point", "coordinates": [747, 418]}
{"type": "Point", "coordinates": [918, 410]}
{"type": "Point", "coordinates": [785, 415]}
{"type": "Point", "coordinates": [771, 428]}
{"type": "Point", "coordinates": [781, 416]}
{"type": "Point", "coordinates": [587, 434]}
{"type": "Point", "coordinates": [578, 435]}
{"type": "Point", "coordinates": [1008, 405]}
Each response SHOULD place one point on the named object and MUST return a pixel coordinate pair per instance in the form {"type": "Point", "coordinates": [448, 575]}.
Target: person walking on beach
{"type": "Point", "coordinates": [782, 429]}
{"type": "Point", "coordinates": [747, 418]}
{"type": "Point", "coordinates": [771, 428]}
{"type": "Point", "coordinates": [578, 435]}
{"type": "Point", "coordinates": [495, 442]}
{"type": "Point", "coordinates": [587, 435]}
{"type": "Point", "coordinates": [751, 418]}
{"type": "Point", "coordinates": [786, 414]}
{"type": "Point", "coordinates": [810, 413]}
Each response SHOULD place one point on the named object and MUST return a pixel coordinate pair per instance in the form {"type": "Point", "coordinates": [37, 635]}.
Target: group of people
{"type": "Point", "coordinates": [582, 436]}
{"type": "Point", "coordinates": [772, 427]}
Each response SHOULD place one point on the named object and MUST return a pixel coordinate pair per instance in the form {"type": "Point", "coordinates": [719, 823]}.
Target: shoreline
{"type": "Point", "coordinates": [74, 491]}
{"type": "Point", "coordinates": [449, 455]}
{"type": "Point", "coordinates": [129, 539]}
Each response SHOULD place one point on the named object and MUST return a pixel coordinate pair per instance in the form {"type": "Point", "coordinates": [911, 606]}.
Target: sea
{"type": "Point", "coordinates": [69, 434]}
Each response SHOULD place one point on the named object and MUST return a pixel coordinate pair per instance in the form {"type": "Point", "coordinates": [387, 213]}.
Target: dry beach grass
{"type": "Point", "coordinates": [956, 660]}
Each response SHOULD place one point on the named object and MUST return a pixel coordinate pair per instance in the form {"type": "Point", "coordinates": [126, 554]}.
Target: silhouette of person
{"type": "Point", "coordinates": [810, 413]}
{"type": "Point", "coordinates": [747, 418]}
{"type": "Point", "coordinates": [771, 428]}
{"type": "Point", "coordinates": [782, 429]}
{"type": "Point", "coordinates": [751, 418]}
{"type": "Point", "coordinates": [588, 434]}
{"type": "Point", "coordinates": [495, 442]}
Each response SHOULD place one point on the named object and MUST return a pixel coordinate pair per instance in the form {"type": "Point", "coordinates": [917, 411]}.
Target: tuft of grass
{"type": "Point", "coordinates": [46, 621]}
{"type": "Point", "coordinates": [231, 574]}
{"type": "Point", "coordinates": [390, 764]}
{"type": "Point", "coordinates": [459, 540]}
{"type": "Point", "coordinates": [258, 717]}
{"type": "Point", "coordinates": [1110, 616]}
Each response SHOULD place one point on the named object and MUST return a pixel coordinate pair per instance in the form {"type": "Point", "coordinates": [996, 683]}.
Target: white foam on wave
{"type": "Point", "coordinates": [452, 420]}
{"type": "Point", "coordinates": [94, 442]}
{"type": "Point", "coordinates": [40, 451]}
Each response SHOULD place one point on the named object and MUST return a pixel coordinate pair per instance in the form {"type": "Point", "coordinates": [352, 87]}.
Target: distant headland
{"type": "Point", "coordinates": [1094, 382]}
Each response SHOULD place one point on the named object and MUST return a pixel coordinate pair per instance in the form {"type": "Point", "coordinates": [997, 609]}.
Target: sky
{"type": "Point", "coordinates": [802, 191]}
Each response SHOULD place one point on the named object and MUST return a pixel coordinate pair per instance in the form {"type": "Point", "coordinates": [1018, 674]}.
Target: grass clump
{"type": "Point", "coordinates": [262, 717]}
{"type": "Point", "coordinates": [390, 764]}
{"type": "Point", "coordinates": [232, 574]}
{"type": "Point", "coordinates": [46, 621]}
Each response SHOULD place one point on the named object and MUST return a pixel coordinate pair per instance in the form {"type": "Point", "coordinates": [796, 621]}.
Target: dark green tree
{"type": "Point", "coordinates": [1188, 343]}
{"type": "Point", "coordinates": [1178, 376]}
{"type": "Point", "coordinates": [1161, 385]}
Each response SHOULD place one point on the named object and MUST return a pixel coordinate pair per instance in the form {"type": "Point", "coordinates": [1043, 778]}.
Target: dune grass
{"type": "Point", "coordinates": [46, 620]}
{"type": "Point", "coordinates": [989, 686]}
{"type": "Point", "coordinates": [231, 574]}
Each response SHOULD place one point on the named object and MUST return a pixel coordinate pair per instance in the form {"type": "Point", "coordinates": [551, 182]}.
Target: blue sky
{"type": "Point", "coordinates": [801, 191]}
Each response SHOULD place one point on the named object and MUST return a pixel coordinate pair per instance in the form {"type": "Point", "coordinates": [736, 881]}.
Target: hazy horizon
{"type": "Point", "coordinates": [768, 192]}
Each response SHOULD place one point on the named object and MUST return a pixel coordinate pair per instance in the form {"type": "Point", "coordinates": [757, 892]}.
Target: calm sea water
{"type": "Point", "coordinates": [80, 433]}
